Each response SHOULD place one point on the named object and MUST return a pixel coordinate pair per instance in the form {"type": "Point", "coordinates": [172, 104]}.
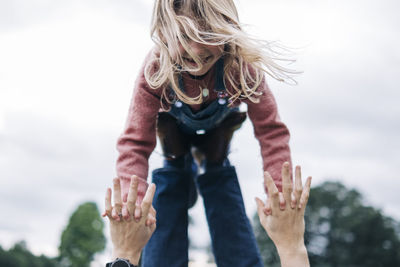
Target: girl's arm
{"type": "Point", "coordinates": [271, 132]}
{"type": "Point", "coordinates": [138, 139]}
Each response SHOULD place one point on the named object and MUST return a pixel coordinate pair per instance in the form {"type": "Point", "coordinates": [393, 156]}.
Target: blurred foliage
{"type": "Point", "coordinates": [83, 237]}
{"type": "Point", "coordinates": [341, 231]}
{"type": "Point", "coordinates": [20, 256]}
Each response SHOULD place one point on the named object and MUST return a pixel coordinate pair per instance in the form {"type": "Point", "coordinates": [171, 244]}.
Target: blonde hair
{"type": "Point", "coordinates": [209, 22]}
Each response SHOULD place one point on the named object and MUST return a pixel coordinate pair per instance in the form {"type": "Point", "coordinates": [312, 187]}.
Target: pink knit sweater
{"type": "Point", "coordinates": [138, 140]}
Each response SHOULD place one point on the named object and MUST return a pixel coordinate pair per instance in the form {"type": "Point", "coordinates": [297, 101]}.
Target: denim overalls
{"type": "Point", "coordinates": [209, 117]}
{"type": "Point", "coordinates": [233, 241]}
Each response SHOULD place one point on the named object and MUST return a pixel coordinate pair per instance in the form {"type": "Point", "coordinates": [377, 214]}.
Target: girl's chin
{"type": "Point", "coordinates": [200, 72]}
{"type": "Point", "coordinates": [206, 62]}
{"type": "Point", "coordinates": [206, 67]}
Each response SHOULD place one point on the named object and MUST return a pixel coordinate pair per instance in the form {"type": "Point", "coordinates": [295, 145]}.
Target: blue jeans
{"type": "Point", "coordinates": [233, 241]}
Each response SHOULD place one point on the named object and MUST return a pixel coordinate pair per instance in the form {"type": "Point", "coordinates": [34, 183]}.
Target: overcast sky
{"type": "Point", "coordinates": [67, 70]}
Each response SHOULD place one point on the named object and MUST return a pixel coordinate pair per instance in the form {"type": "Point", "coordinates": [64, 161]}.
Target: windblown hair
{"type": "Point", "coordinates": [215, 23]}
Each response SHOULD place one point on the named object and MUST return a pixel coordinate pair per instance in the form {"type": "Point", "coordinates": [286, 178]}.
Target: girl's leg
{"type": "Point", "coordinates": [214, 146]}
{"type": "Point", "coordinates": [232, 237]}
{"type": "Point", "coordinates": [176, 149]}
{"type": "Point", "coordinates": [169, 244]}
{"type": "Point", "coordinates": [174, 194]}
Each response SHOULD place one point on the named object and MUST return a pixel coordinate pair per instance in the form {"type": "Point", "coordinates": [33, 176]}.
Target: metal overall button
{"type": "Point", "coordinates": [222, 101]}
{"type": "Point", "coordinates": [178, 104]}
{"type": "Point", "coordinates": [200, 132]}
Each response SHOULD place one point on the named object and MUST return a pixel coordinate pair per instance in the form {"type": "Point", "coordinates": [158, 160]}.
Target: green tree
{"type": "Point", "coordinates": [20, 256]}
{"type": "Point", "coordinates": [83, 236]}
{"type": "Point", "coordinates": [342, 231]}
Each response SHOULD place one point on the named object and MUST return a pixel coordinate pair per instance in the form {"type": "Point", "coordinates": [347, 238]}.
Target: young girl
{"type": "Point", "coordinates": [203, 66]}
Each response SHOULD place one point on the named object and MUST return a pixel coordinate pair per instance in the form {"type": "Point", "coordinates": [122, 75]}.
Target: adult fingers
{"type": "Point", "coordinates": [153, 226]}
{"type": "Point", "coordinates": [273, 192]}
{"type": "Point", "coordinates": [138, 213]}
{"type": "Point", "coordinates": [293, 201]}
{"type": "Point", "coordinates": [125, 213]}
{"type": "Point", "coordinates": [148, 200]}
{"type": "Point", "coordinates": [132, 195]}
{"type": "Point", "coordinates": [287, 186]}
{"type": "Point", "coordinates": [260, 206]}
{"type": "Point", "coordinates": [260, 210]}
{"type": "Point", "coordinates": [108, 207]}
{"type": "Point", "coordinates": [152, 212]}
{"type": "Point", "coordinates": [282, 201]}
{"type": "Point", "coordinates": [124, 195]}
{"type": "Point", "coordinates": [267, 207]}
{"type": "Point", "coordinates": [151, 219]}
{"type": "Point", "coordinates": [115, 214]}
{"type": "Point", "coordinates": [298, 186]}
{"type": "Point", "coordinates": [117, 210]}
{"type": "Point", "coordinates": [305, 194]}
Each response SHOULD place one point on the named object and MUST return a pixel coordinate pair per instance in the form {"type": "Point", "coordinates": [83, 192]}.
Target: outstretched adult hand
{"type": "Point", "coordinates": [130, 235]}
{"type": "Point", "coordinates": [284, 223]}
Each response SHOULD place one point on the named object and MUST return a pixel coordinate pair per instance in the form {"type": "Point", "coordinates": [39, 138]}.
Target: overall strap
{"type": "Point", "coordinates": [219, 76]}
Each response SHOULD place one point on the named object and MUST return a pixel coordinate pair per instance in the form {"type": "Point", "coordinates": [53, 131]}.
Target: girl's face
{"type": "Point", "coordinates": [208, 54]}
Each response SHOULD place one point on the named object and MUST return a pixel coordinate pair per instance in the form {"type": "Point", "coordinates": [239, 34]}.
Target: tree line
{"type": "Point", "coordinates": [341, 231]}
{"type": "Point", "coordinates": [81, 239]}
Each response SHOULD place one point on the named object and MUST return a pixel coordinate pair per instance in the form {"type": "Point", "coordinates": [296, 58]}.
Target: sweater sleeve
{"type": "Point", "coordinates": [138, 139]}
{"type": "Point", "coordinates": [271, 132]}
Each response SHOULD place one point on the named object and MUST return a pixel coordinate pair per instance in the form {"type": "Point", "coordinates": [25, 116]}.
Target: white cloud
{"type": "Point", "coordinates": [24, 13]}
